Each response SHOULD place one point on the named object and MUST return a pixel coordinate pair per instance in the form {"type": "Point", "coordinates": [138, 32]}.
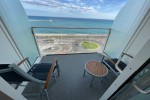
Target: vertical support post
{"type": "Point", "coordinates": [107, 40]}
{"type": "Point", "coordinates": [84, 73]}
{"type": "Point", "coordinates": [35, 41]}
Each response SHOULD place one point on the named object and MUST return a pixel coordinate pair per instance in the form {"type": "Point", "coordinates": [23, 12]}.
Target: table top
{"type": "Point", "coordinates": [96, 68]}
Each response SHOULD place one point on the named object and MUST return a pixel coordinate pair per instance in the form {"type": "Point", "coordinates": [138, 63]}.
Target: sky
{"type": "Point", "coordinates": [97, 9]}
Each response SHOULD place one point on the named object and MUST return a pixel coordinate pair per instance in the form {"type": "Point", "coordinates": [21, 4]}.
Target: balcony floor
{"type": "Point", "coordinates": [71, 85]}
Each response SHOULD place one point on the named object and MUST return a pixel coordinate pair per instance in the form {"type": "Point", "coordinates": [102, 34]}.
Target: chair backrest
{"type": "Point", "coordinates": [120, 61]}
{"type": "Point", "coordinates": [116, 64]}
{"type": "Point", "coordinates": [19, 71]}
{"type": "Point", "coordinates": [12, 72]}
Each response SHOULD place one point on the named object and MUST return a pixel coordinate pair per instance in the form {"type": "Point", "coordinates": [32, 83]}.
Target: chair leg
{"type": "Point", "coordinates": [46, 93]}
{"type": "Point", "coordinates": [102, 79]}
{"type": "Point", "coordinates": [41, 90]}
{"type": "Point", "coordinates": [92, 81]}
{"type": "Point", "coordinates": [54, 76]}
{"type": "Point", "coordinates": [84, 73]}
{"type": "Point", "coordinates": [58, 70]}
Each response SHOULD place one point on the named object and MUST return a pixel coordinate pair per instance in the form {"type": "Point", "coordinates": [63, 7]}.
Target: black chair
{"type": "Point", "coordinates": [114, 64]}
{"type": "Point", "coordinates": [39, 73]}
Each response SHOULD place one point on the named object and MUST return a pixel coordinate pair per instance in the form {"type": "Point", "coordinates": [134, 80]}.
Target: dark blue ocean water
{"type": "Point", "coordinates": [39, 21]}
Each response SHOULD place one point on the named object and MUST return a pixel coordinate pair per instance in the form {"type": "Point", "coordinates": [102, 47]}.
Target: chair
{"type": "Point", "coordinates": [39, 73]}
{"type": "Point", "coordinates": [116, 65]}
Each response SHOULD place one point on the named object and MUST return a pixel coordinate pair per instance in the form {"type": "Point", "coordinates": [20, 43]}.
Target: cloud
{"type": "Point", "coordinates": [101, 1]}
{"type": "Point", "coordinates": [74, 8]}
{"type": "Point", "coordinates": [59, 5]}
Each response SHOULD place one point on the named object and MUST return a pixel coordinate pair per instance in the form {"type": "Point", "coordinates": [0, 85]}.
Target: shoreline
{"type": "Point", "coordinates": [68, 43]}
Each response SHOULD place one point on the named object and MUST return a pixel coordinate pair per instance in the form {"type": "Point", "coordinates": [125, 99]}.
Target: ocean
{"type": "Point", "coordinates": [42, 21]}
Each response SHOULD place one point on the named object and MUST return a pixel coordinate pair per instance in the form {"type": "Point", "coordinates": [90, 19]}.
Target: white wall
{"type": "Point", "coordinates": [16, 21]}
{"type": "Point", "coordinates": [8, 51]}
{"type": "Point", "coordinates": [141, 37]}
{"type": "Point", "coordinates": [125, 25]}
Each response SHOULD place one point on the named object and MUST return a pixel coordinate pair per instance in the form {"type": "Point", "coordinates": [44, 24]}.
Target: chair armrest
{"type": "Point", "coordinates": [49, 75]}
{"type": "Point", "coordinates": [22, 61]}
{"type": "Point", "coordinates": [117, 64]}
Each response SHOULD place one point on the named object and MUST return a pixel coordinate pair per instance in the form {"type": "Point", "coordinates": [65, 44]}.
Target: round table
{"type": "Point", "coordinates": [96, 69]}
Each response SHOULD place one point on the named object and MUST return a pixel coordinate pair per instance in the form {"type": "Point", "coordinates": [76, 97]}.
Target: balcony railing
{"type": "Point", "coordinates": [66, 40]}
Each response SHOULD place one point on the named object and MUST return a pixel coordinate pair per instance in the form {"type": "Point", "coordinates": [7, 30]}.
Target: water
{"type": "Point", "coordinates": [70, 23]}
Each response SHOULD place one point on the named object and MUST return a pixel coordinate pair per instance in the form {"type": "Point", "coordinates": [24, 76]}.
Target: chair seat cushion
{"type": "Point", "coordinates": [41, 67]}
{"type": "Point", "coordinates": [11, 76]}
{"type": "Point", "coordinates": [40, 71]}
{"type": "Point", "coordinates": [121, 64]}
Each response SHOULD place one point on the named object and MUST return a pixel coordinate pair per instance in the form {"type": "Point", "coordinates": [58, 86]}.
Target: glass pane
{"type": "Point", "coordinates": [142, 80]}
{"type": "Point", "coordinates": [67, 40]}
{"type": "Point", "coordinates": [18, 26]}
{"type": "Point", "coordinates": [124, 27]}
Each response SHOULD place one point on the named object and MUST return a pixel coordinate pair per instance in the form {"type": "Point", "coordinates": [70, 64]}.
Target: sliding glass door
{"type": "Point", "coordinates": [137, 88]}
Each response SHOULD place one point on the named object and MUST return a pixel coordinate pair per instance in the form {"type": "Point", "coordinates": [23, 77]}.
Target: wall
{"type": "Point", "coordinates": [125, 25]}
{"type": "Point", "coordinates": [9, 54]}
{"type": "Point", "coordinates": [16, 21]}
{"type": "Point", "coordinates": [141, 37]}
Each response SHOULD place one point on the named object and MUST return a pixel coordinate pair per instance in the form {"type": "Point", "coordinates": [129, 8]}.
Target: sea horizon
{"type": "Point", "coordinates": [48, 21]}
{"type": "Point", "coordinates": [70, 17]}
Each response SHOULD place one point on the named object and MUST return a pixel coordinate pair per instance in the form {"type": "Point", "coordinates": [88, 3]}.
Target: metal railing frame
{"type": "Point", "coordinates": [109, 32]}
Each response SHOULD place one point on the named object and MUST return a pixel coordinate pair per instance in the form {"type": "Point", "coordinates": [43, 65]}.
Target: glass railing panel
{"type": "Point", "coordinates": [66, 40]}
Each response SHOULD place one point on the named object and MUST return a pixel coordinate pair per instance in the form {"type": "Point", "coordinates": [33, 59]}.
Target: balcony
{"type": "Point", "coordinates": [71, 85]}
{"type": "Point", "coordinates": [52, 42]}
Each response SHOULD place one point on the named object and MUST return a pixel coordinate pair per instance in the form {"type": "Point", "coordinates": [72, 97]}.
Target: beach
{"type": "Point", "coordinates": [68, 43]}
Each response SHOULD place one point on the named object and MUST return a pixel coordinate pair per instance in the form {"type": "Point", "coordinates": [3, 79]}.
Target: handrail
{"type": "Point", "coordinates": [127, 55]}
{"type": "Point", "coordinates": [140, 90]}
{"type": "Point", "coordinates": [71, 27]}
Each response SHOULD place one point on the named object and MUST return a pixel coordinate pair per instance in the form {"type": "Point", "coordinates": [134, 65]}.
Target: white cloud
{"type": "Point", "coordinates": [75, 8]}
{"type": "Point", "coordinates": [57, 5]}
{"type": "Point", "coordinates": [101, 1]}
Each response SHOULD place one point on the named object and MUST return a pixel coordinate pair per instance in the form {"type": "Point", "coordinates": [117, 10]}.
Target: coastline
{"type": "Point", "coordinates": [68, 43]}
